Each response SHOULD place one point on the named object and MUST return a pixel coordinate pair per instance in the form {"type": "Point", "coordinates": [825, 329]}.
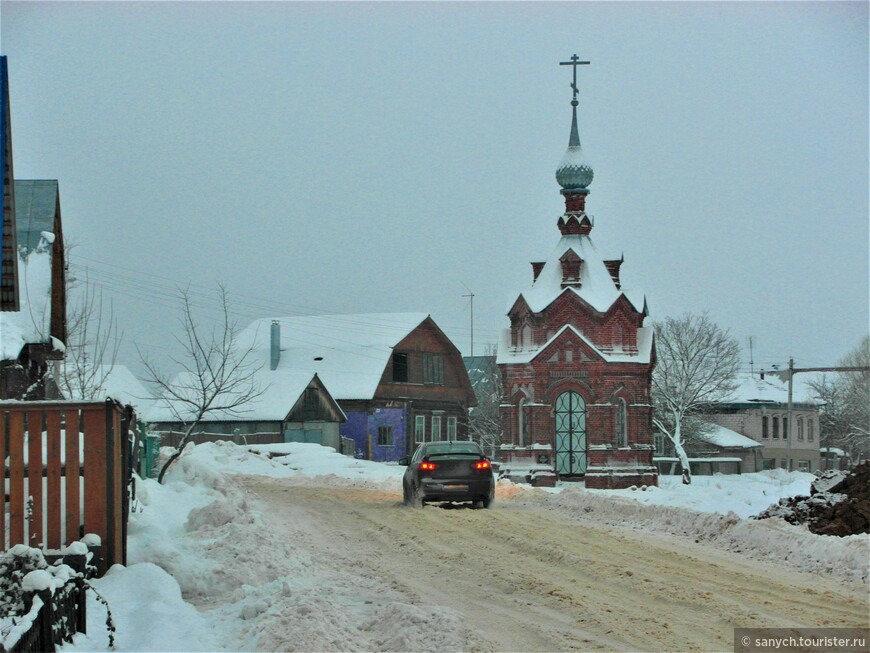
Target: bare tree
{"type": "Point", "coordinates": [484, 420]}
{"type": "Point", "coordinates": [697, 364]}
{"type": "Point", "coordinates": [93, 340]}
{"type": "Point", "coordinates": [216, 374]}
{"type": "Point", "coordinates": [844, 419]}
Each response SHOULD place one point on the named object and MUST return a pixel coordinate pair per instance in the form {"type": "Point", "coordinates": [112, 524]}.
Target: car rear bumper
{"type": "Point", "coordinates": [456, 490]}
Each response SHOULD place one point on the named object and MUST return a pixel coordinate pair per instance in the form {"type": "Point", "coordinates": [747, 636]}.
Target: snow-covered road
{"type": "Point", "coordinates": [515, 579]}
{"type": "Point", "coordinates": [313, 551]}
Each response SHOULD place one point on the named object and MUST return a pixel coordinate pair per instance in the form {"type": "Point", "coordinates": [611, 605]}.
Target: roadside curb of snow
{"type": "Point", "coordinates": [770, 540]}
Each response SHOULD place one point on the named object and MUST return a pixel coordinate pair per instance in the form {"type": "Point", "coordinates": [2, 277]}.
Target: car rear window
{"type": "Point", "coordinates": [452, 449]}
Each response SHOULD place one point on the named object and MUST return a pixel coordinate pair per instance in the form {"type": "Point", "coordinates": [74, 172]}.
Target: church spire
{"type": "Point", "coordinates": [574, 174]}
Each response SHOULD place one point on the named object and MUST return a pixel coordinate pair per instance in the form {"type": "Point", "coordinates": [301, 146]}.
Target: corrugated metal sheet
{"type": "Point", "coordinates": [35, 209]}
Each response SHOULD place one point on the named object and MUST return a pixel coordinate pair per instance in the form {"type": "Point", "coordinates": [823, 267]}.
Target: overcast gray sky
{"type": "Point", "coordinates": [358, 157]}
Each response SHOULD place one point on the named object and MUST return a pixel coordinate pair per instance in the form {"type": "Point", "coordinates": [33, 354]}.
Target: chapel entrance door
{"type": "Point", "coordinates": [570, 434]}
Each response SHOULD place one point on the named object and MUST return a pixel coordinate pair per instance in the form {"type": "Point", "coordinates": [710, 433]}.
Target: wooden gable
{"type": "Point", "coordinates": [315, 404]}
{"type": "Point", "coordinates": [417, 350]}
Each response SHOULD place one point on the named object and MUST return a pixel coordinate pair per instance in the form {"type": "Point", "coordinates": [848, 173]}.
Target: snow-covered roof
{"type": "Point", "coordinates": [753, 389]}
{"type": "Point", "coordinates": [35, 212]}
{"type": "Point", "coordinates": [514, 355]}
{"type": "Point", "coordinates": [728, 439]}
{"type": "Point", "coordinates": [833, 450]}
{"type": "Point", "coordinates": [31, 323]}
{"type": "Point", "coordinates": [115, 381]}
{"type": "Point", "coordinates": [597, 287]}
{"type": "Point", "coordinates": [348, 352]}
{"type": "Point", "coordinates": [281, 390]}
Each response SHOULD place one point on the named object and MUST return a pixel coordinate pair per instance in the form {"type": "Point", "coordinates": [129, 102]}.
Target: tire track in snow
{"type": "Point", "coordinates": [523, 578]}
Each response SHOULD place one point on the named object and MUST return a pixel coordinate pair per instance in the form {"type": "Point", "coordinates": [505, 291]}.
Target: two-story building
{"type": "Point", "coordinates": [759, 410]}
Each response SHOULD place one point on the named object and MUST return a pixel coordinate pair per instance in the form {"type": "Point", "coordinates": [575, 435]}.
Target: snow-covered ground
{"type": "Point", "coordinates": [184, 529]}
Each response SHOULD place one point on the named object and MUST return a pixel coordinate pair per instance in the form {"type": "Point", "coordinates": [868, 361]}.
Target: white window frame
{"type": "Point", "coordinates": [420, 428]}
{"type": "Point", "coordinates": [451, 428]}
{"type": "Point", "coordinates": [435, 428]}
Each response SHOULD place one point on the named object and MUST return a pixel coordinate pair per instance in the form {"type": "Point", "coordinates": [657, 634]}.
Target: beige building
{"type": "Point", "coordinates": [759, 411]}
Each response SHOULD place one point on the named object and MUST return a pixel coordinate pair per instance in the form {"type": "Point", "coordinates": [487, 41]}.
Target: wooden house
{"type": "Point", "coordinates": [396, 376]}
{"type": "Point", "coordinates": [32, 277]}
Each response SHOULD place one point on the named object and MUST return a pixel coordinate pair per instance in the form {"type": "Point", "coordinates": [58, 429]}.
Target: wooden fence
{"type": "Point", "coordinates": [80, 452]}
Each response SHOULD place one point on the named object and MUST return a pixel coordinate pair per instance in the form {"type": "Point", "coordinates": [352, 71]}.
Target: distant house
{"type": "Point", "coordinates": [397, 377]}
{"type": "Point", "coordinates": [718, 451]}
{"type": "Point", "coordinates": [294, 407]}
{"type": "Point", "coordinates": [32, 277]}
{"type": "Point", "coordinates": [105, 381]}
{"type": "Point", "coordinates": [759, 410]}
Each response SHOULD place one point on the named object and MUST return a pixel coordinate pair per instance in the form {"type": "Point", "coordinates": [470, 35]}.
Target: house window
{"type": "Point", "coordinates": [621, 426]}
{"type": "Point", "coordinates": [433, 369]}
{"type": "Point", "coordinates": [451, 428]}
{"type": "Point", "coordinates": [617, 338]}
{"type": "Point", "coordinates": [783, 463]}
{"type": "Point", "coordinates": [785, 428]}
{"type": "Point", "coordinates": [764, 432]}
{"type": "Point", "coordinates": [659, 440]}
{"type": "Point", "coordinates": [811, 428]}
{"type": "Point", "coordinates": [803, 465]}
{"type": "Point", "coordinates": [523, 416]}
{"type": "Point", "coordinates": [776, 428]}
{"type": "Point", "coordinates": [526, 338]}
{"type": "Point", "coordinates": [385, 436]}
{"type": "Point", "coordinates": [400, 368]}
{"type": "Point", "coordinates": [436, 428]}
{"type": "Point", "coordinates": [569, 356]}
{"type": "Point", "coordinates": [420, 428]}
{"type": "Point", "coordinates": [800, 429]}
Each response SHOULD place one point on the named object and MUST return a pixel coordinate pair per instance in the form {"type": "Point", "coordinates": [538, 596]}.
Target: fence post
{"type": "Point", "coordinates": [45, 620]}
{"type": "Point", "coordinates": [111, 434]}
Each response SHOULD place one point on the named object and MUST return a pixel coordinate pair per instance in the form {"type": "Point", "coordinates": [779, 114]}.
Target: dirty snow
{"type": "Point", "coordinates": [184, 533]}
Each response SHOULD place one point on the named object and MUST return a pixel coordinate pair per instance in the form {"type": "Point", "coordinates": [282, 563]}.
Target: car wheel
{"type": "Point", "coordinates": [417, 498]}
{"type": "Point", "coordinates": [487, 501]}
{"type": "Point", "coordinates": [406, 495]}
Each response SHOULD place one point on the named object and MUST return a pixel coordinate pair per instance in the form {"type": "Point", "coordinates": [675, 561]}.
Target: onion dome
{"type": "Point", "coordinates": [574, 172]}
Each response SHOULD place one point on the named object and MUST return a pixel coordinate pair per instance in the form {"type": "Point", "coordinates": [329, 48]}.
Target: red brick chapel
{"type": "Point", "coordinates": [577, 360]}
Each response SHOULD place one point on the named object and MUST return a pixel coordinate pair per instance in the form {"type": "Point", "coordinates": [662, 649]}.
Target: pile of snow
{"type": "Point", "coordinates": [744, 495]}
{"type": "Point", "coordinates": [771, 540]}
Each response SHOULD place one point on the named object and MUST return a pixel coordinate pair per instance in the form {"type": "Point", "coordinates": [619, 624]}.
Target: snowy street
{"type": "Point", "coordinates": [313, 551]}
{"type": "Point", "coordinates": [517, 578]}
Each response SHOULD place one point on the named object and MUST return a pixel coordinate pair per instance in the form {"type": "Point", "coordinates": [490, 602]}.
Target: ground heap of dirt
{"type": "Point", "coordinates": [839, 504]}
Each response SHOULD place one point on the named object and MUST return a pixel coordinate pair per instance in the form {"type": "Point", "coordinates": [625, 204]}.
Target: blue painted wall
{"type": "Point", "coordinates": [4, 120]}
{"type": "Point", "coordinates": [359, 425]}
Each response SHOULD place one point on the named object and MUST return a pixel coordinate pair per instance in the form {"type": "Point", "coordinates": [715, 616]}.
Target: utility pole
{"type": "Point", "coordinates": [787, 376]}
{"type": "Point", "coordinates": [751, 358]}
{"type": "Point", "coordinates": [471, 295]}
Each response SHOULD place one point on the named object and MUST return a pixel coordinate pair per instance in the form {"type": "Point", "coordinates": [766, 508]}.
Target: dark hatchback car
{"type": "Point", "coordinates": [448, 471]}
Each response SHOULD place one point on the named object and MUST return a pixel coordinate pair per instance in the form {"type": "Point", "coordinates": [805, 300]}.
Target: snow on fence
{"type": "Point", "coordinates": [79, 451]}
{"type": "Point", "coordinates": [52, 616]}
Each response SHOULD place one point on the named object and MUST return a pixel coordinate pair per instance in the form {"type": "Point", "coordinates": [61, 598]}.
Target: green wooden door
{"type": "Point", "coordinates": [570, 434]}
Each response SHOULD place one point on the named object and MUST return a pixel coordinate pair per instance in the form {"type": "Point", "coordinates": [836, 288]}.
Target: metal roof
{"type": "Point", "coordinates": [35, 210]}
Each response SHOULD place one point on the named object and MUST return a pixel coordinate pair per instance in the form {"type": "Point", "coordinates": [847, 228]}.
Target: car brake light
{"type": "Point", "coordinates": [428, 467]}
{"type": "Point", "coordinates": [483, 464]}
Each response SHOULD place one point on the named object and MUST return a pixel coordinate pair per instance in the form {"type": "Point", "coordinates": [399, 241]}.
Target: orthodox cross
{"type": "Point", "coordinates": [574, 62]}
